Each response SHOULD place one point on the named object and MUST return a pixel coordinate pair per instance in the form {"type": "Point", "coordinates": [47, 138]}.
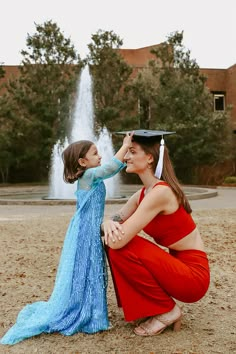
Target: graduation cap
{"type": "Point", "coordinates": [146, 135]}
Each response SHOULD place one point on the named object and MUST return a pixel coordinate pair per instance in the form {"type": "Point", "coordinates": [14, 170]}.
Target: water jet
{"type": "Point", "coordinates": [82, 129]}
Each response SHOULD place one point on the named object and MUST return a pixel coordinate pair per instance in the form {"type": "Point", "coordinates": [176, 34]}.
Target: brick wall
{"type": "Point", "coordinates": [11, 71]}
{"type": "Point", "coordinates": [138, 58]}
{"type": "Point", "coordinates": [216, 79]}
{"type": "Point", "coordinates": [231, 92]}
{"type": "Point", "coordinates": [224, 80]}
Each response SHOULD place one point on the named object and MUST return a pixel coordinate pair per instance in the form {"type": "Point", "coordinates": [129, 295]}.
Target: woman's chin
{"type": "Point", "coordinates": [128, 170]}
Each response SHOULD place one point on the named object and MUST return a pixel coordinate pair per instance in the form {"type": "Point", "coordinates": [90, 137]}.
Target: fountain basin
{"type": "Point", "coordinates": [37, 195]}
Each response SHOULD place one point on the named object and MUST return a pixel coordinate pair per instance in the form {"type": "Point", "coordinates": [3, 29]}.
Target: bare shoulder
{"type": "Point", "coordinates": [160, 197]}
{"type": "Point", "coordinates": [166, 197]}
{"type": "Point", "coordinates": [163, 190]}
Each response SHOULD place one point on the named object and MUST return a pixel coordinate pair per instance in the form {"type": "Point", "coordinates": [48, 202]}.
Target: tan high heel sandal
{"type": "Point", "coordinates": [144, 330]}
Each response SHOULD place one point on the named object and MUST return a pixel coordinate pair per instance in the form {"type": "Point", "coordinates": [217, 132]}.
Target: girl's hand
{"type": "Point", "coordinates": [128, 139]}
{"type": "Point", "coordinates": [112, 231]}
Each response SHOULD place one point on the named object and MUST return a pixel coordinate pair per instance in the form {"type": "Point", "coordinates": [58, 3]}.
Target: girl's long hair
{"type": "Point", "coordinates": [71, 155]}
{"type": "Point", "coordinates": [168, 173]}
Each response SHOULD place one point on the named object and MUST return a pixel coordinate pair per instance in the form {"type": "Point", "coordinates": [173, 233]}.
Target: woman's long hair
{"type": "Point", "coordinates": [168, 173]}
{"type": "Point", "coordinates": [71, 155]}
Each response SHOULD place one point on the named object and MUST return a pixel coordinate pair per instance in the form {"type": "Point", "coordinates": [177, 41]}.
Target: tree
{"type": "Point", "coordinates": [178, 100]}
{"type": "Point", "coordinates": [49, 73]}
{"type": "Point", "coordinates": [6, 155]}
{"type": "Point", "coordinates": [143, 88]}
{"type": "Point", "coordinates": [41, 98]}
{"type": "Point", "coordinates": [110, 75]}
{"type": "Point", "coordinates": [2, 71]}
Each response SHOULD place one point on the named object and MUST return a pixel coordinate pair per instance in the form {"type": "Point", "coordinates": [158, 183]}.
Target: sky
{"type": "Point", "coordinates": [209, 26]}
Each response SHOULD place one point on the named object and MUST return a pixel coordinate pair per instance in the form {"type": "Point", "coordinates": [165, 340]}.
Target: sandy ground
{"type": "Point", "coordinates": [30, 246]}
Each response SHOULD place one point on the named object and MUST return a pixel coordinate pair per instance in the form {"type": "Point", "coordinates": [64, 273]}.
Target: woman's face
{"type": "Point", "coordinates": [137, 160]}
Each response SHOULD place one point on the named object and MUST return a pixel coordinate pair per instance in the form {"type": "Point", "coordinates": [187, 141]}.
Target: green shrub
{"type": "Point", "coordinates": [230, 180]}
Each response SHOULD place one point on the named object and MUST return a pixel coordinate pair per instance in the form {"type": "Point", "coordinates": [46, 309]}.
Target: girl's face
{"type": "Point", "coordinates": [91, 159]}
{"type": "Point", "coordinates": [137, 160]}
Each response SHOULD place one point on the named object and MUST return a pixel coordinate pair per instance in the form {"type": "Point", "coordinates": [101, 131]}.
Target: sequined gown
{"type": "Point", "coordinates": [78, 301]}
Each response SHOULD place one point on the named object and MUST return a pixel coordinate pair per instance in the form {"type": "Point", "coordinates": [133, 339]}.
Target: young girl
{"type": "Point", "coordinates": [78, 301]}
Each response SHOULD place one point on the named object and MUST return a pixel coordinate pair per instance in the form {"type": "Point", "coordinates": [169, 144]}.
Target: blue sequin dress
{"type": "Point", "coordinates": [78, 302]}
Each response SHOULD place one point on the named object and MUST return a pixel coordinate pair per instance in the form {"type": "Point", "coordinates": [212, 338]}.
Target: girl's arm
{"type": "Point", "coordinates": [153, 203]}
{"type": "Point", "coordinates": [128, 209]}
{"type": "Point", "coordinates": [112, 167]}
{"type": "Point", "coordinates": [124, 148]}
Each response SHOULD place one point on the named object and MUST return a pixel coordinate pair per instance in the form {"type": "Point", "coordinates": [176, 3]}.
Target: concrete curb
{"type": "Point", "coordinates": [192, 193]}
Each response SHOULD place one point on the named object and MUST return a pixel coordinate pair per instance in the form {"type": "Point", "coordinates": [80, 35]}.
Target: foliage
{"type": "Point", "coordinates": [144, 88]}
{"type": "Point", "coordinates": [110, 75]}
{"type": "Point", "coordinates": [230, 180]}
{"type": "Point", "coordinates": [39, 101]}
{"type": "Point", "coordinates": [2, 71]}
{"type": "Point", "coordinates": [175, 93]}
{"type": "Point", "coordinates": [6, 154]}
{"type": "Point", "coordinates": [48, 75]}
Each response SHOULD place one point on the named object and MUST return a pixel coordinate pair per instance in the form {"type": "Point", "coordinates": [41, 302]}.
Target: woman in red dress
{"type": "Point", "coordinates": [149, 276]}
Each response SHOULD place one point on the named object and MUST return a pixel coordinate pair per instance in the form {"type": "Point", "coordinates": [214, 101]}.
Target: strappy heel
{"type": "Point", "coordinates": [177, 325]}
{"type": "Point", "coordinates": [146, 328]}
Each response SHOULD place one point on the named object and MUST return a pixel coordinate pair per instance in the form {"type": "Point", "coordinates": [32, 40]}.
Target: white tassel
{"type": "Point", "coordinates": [159, 167]}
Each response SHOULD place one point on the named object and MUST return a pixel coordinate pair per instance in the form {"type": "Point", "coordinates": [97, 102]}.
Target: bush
{"type": "Point", "coordinates": [230, 180]}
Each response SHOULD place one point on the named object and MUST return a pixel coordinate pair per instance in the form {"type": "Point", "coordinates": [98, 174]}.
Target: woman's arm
{"type": "Point", "coordinates": [113, 225]}
{"type": "Point", "coordinates": [153, 203]}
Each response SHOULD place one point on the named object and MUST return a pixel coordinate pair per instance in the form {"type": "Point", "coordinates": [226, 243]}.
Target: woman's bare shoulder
{"type": "Point", "coordinates": [164, 195]}
{"type": "Point", "coordinates": [161, 190]}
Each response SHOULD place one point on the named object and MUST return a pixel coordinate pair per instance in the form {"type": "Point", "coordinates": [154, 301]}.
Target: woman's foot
{"type": "Point", "coordinates": [156, 324]}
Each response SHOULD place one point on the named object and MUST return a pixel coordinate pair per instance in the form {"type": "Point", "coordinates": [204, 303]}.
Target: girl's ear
{"type": "Point", "coordinates": [82, 162]}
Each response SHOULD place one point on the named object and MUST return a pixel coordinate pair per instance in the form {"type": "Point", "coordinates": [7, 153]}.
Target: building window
{"type": "Point", "coordinates": [219, 101]}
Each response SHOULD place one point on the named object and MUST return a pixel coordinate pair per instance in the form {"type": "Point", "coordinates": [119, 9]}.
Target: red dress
{"type": "Point", "coordinates": [147, 278]}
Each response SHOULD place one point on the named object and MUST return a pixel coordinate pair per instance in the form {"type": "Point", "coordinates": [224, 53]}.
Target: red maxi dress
{"type": "Point", "coordinates": [147, 278]}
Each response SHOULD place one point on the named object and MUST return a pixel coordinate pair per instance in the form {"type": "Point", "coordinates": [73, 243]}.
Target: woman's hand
{"type": "Point", "coordinates": [112, 231]}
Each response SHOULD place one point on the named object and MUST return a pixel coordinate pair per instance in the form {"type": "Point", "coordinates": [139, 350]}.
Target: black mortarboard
{"type": "Point", "coordinates": [151, 136]}
{"type": "Point", "coordinates": [147, 134]}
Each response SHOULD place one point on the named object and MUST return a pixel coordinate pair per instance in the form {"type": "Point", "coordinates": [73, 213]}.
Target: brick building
{"type": "Point", "coordinates": [220, 82]}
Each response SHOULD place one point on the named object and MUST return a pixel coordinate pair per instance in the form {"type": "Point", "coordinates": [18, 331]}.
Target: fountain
{"type": "Point", "coordinates": [82, 129]}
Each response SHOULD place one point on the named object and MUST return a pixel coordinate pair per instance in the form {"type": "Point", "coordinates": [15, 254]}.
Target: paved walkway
{"type": "Point", "coordinates": [226, 199]}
